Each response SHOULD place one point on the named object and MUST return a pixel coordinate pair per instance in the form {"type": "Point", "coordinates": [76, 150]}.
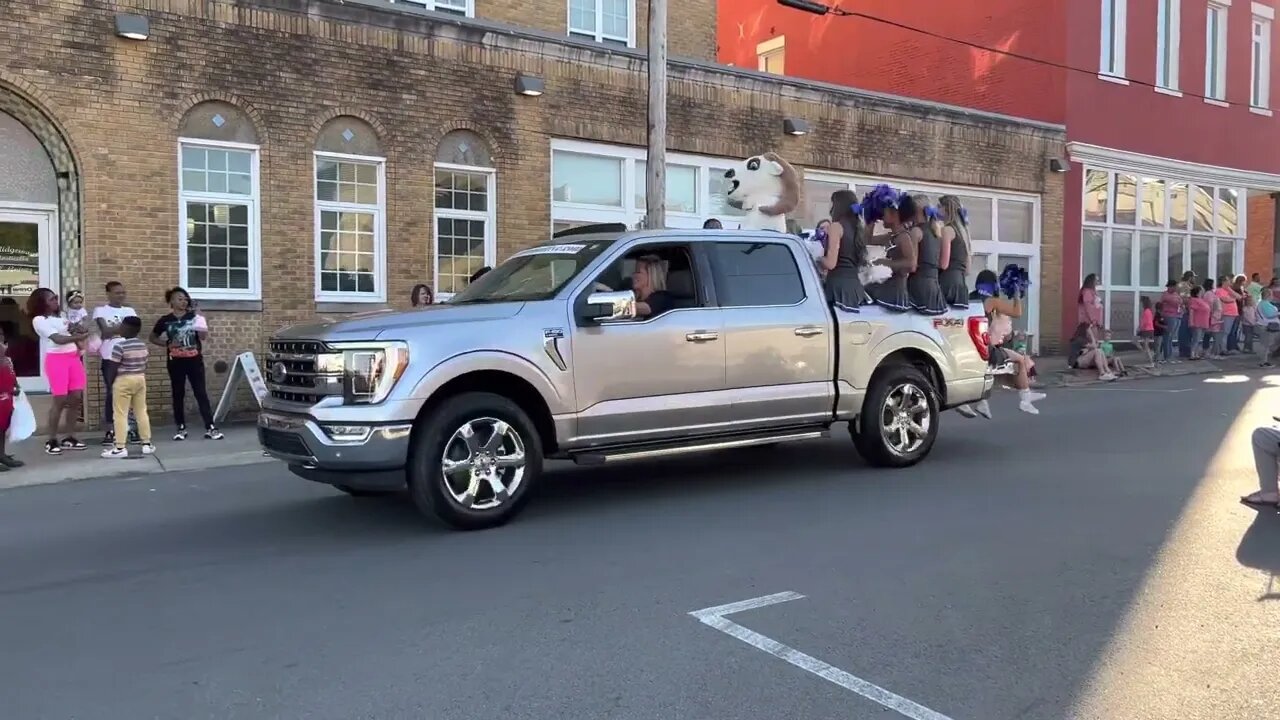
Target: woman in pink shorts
{"type": "Point", "coordinates": [62, 366]}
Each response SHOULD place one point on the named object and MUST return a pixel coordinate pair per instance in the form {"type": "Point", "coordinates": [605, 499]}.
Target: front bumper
{"type": "Point", "coordinates": [301, 442]}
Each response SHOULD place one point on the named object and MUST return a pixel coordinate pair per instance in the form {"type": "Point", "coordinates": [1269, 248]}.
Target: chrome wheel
{"type": "Point", "coordinates": [483, 463]}
{"type": "Point", "coordinates": [905, 419]}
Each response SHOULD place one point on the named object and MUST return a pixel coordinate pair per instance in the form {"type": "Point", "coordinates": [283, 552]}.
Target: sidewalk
{"type": "Point", "coordinates": [240, 447]}
{"type": "Point", "coordinates": [1053, 371]}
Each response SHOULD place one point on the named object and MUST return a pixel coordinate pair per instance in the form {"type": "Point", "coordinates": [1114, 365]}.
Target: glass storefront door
{"type": "Point", "coordinates": [27, 261]}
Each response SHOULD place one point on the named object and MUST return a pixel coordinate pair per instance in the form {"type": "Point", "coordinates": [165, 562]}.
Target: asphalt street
{"type": "Point", "coordinates": [1091, 562]}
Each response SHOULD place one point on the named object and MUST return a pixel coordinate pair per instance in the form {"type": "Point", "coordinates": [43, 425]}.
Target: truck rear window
{"type": "Point", "coordinates": [755, 274]}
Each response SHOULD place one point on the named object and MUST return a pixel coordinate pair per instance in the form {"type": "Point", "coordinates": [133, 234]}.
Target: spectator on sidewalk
{"type": "Point", "coordinates": [1091, 355]}
{"type": "Point", "coordinates": [62, 367]}
{"type": "Point", "coordinates": [182, 334]}
{"type": "Point", "coordinates": [1088, 304]}
{"type": "Point", "coordinates": [1268, 327]}
{"type": "Point", "coordinates": [8, 398]}
{"type": "Point", "coordinates": [1254, 288]}
{"type": "Point", "coordinates": [129, 354]}
{"type": "Point", "coordinates": [1146, 334]}
{"type": "Point", "coordinates": [1231, 292]}
{"type": "Point", "coordinates": [712, 224]}
{"type": "Point", "coordinates": [1201, 318]}
{"type": "Point", "coordinates": [1248, 321]}
{"type": "Point", "coordinates": [1187, 282]}
{"type": "Point", "coordinates": [1172, 307]}
{"type": "Point", "coordinates": [109, 319]}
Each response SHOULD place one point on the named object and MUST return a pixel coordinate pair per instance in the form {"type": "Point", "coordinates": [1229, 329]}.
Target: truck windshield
{"type": "Point", "coordinates": [534, 274]}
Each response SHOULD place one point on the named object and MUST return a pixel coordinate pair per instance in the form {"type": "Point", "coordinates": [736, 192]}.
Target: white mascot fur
{"type": "Point", "coordinates": [767, 188]}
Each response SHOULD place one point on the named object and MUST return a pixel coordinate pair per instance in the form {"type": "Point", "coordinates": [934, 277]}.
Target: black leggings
{"type": "Point", "coordinates": [182, 370]}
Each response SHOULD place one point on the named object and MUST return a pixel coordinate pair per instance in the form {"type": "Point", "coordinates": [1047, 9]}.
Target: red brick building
{"type": "Point", "coordinates": [287, 158]}
{"type": "Point", "coordinates": [1172, 143]}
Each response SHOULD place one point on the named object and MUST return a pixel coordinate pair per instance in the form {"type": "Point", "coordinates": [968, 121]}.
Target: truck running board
{"type": "Point", "coordinates": [694, 445]}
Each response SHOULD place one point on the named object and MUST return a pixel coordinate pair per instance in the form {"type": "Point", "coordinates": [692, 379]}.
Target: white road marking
{"type": "Point", "coordinates": [715, 617]}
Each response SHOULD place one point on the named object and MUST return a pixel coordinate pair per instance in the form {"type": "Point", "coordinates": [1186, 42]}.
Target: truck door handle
{"type": "Point", "coordinates": [701, 336]}
{"type": "Point", "coordinates": [809, 331]}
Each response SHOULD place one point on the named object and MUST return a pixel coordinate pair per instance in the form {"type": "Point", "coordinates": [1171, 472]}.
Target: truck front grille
{"type": "Point", "coordinates": [293, 373]}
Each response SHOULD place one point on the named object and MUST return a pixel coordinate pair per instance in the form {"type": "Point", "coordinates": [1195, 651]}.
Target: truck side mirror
{"type": "Point", "coordinates": [611, 306]}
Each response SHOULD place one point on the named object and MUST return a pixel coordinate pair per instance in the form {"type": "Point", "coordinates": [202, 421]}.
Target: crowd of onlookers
{"type": "Point", "coordinates": [1193, 319]}
{"type": "Point", "coordinates": [69, 335]}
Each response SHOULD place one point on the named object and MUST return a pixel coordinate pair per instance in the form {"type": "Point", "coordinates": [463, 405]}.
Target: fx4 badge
{"type": "Point", "coordinates": [948, 322]}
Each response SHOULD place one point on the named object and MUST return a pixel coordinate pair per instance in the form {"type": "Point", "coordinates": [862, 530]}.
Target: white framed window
{"type": "Point", "coordinates": [464, 8]}
{"type": "Point", "coordinates": [1215, 53]}
{"type": "Point", "coordinates": [1111, 60]}
{"type": "Point", "coordinates": [607, 21]}
{"type": "Point", "coordinates": [350, 228]}
{"type": "Point", "coordinates": [771, 55]}
{"type": "Point", "coordinates": [1139, 232]}
{"type": "Point", "coordinates": [465, 221]}
{"type": "Point", "coordinates": [1260, 57]}
{"type": "Point", "coordinates": [1168, 34]}
{"type": "Point", "coordinates": [219, 245]}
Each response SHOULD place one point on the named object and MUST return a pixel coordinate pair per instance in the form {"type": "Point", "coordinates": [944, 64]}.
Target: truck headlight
{"type": "Point", "coordinates": [370, 370]}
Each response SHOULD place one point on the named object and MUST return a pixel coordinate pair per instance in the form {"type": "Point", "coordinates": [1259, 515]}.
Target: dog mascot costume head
{"type": "Point", "coordinates": [767, 188]}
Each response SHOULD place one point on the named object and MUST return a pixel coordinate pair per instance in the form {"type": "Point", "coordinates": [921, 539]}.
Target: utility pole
{"type": "Point", "coordinates": [655, 181]}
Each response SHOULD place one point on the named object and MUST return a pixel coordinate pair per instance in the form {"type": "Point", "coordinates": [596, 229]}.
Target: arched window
{"type": "Point", "coordinates": [350, 213]}
{"type": "Point", "coordinates": [466, 198]}
{"type": "Point", "coordinates": [219, 247]}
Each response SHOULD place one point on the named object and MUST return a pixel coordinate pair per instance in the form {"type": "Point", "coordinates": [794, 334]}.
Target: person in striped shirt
{"type": "Point", "coordinates": [129, 392]}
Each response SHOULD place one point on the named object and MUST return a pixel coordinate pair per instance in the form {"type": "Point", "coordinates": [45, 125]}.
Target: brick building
{"type": "Point", "coordinates": [1167, 106]}
{"type": "Point", "coordinates": [283, 158]}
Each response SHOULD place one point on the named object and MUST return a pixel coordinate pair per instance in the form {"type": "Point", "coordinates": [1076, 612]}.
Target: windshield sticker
{"type": "Point", "coordinates": [563, 249]}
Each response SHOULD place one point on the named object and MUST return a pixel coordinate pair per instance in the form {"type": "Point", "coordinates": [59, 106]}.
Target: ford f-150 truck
{"type": "Point", "coordinates": [546, 357]}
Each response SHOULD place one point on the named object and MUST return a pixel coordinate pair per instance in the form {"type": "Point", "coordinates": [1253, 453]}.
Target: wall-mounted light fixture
{"type": "Point", "coordinates": [1057, 165]}
{"type": "Point", "coordinates": [530, 85]}
{"type": "Point", "coordinates": [132, 27]}
{"type": "Point", "coordinates": [795, 126]}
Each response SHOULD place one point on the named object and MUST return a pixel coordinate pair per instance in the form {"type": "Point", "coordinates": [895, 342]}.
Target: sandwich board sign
{"type": "Point", "coordinates": [243, 369]}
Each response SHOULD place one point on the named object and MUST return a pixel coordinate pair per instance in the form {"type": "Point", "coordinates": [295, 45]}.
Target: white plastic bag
{"type": "Point", "coordinates": [23, 423]}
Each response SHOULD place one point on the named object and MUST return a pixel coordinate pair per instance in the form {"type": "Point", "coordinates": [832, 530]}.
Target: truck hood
{"type": "Point", "coordinates": [389, 324]}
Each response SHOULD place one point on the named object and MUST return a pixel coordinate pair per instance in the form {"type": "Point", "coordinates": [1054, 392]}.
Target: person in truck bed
{"type": "Point", "coordinates": [1000, 314]}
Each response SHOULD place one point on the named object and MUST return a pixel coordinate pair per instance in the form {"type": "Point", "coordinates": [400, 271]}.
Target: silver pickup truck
{"type": "Point", "coordinates": [546, 357]}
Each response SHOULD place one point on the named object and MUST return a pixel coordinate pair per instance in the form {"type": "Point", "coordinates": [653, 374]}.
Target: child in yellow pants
{"type": "Point", "coordinates": [129, 392]}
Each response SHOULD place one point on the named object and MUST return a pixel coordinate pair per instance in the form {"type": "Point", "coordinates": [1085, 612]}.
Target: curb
{"type": "Point", "coordinates": [1063, 379]}
{"type": "Point", "coordinates": [96, 468]}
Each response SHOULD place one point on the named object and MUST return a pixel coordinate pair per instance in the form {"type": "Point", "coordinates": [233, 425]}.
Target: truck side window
{"type": "Point", "coordinates": [756, 274]}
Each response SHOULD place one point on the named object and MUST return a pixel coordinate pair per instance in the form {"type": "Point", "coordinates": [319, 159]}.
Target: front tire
{"type": "Point", "coordinates": [899, 420]}
{"type": "Point", "coordinates": [475, 461]}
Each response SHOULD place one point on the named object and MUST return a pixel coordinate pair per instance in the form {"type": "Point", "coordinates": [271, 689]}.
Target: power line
{"type": "Point", "coordinates": [817, 8]}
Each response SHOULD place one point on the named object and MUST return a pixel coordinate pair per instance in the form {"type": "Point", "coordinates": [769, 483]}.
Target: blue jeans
{"type": "Point", "coordinates": [1171, 326]}
{"type": "Point", "coordinates": [1184, 335]}
{"type": "Point", "coordinates": [1226, 338]}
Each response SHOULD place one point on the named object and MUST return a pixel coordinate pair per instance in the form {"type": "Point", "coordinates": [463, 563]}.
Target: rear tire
{"type": "Point", "coordinates": [899, 420]}
{"type": "Point", "coordinates": [475, 462]}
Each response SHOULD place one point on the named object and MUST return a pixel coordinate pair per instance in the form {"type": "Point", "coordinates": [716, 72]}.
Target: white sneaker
{"type": "Point", "coordinates": [1107, 377]}
{"type": "Point", "coordinates": [1034, 397]}
{"type": "Point", "coordinates": [1026, 407]}
{"type": "Point", "coordinates": [115, 453]}
{"type": "Point", "coordinates": [148, 448]}
{"type": "Point", "coordinates": [983, 408]}
{"type": "Point", "coordinates": [966, 411]}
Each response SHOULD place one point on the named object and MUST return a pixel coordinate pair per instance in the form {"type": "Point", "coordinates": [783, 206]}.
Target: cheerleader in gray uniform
{"type": "Point", "coordinates": [955, 252]}
{"type": "Point", "coordinates": [845, 252]}
{"type": "Point", "coordinates": [922, 285]}
{"type": "Point", "coordinates": [895, 210]}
